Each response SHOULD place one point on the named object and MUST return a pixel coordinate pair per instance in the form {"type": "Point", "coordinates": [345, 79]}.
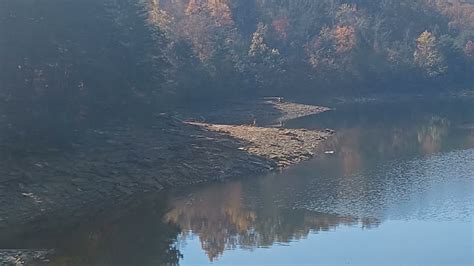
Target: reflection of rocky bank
{"type": "Point", "coordinates": [109, 238]}
{"type": "Point", "coordinates": [223, 221]}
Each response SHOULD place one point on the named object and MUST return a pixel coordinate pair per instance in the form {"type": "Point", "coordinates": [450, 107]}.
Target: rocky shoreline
{"type": "Point", "coordinates": [284, 146]}
{"type": "Point", "coordinates": [111, 165]}
{"type": "Point", "coordinates": [23, 256]}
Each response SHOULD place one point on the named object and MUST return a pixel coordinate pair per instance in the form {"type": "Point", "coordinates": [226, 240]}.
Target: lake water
{"type": "Point", "coordinates": [398, 189]}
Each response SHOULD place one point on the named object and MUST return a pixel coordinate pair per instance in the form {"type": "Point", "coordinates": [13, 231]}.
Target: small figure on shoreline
{"type": "Point", "coordinates": [254, 120]}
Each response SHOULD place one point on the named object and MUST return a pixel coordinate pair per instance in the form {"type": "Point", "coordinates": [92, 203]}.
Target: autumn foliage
{"type": "Point", "coordinates": [74, 64]}
{"type": "Point", "coordinates": [345, 39]}
{"type": "Point", "coordinates": [469, 49]}
{"type": "Point", "coordinates": [281, 27]}
{"type": "Point", "coordinates": [427, 55]}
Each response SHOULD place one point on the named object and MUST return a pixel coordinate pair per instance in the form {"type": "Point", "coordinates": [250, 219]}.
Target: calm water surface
{"type": "Point", "coordinates": [399, 189]}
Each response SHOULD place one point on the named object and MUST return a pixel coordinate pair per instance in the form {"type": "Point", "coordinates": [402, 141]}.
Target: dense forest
{"type": "Point", "coordinates": [67, 65]}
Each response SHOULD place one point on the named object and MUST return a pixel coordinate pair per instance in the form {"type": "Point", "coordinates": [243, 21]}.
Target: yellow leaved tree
{"type": "Point", "coordinates": [427, 55]}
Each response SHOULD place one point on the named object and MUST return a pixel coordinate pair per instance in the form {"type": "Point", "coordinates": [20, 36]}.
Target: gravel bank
{"type": "Point", "coordinates": [284, 146]}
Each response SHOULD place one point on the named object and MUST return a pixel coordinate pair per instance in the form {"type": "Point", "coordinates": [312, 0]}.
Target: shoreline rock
{"type": "Point", "coordinates": [23, 256]}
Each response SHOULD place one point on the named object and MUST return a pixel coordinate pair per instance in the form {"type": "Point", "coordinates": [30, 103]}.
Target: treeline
{"type": "Point", "coordinates": [284, 46]}
{"type": "Point", "coordinates": [67, 64]}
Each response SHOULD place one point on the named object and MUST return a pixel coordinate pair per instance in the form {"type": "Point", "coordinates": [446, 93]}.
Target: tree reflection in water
{"type": "Point", "coordinates": [353, 181]}
{"type": "Point", "coordinates": [222, 220]}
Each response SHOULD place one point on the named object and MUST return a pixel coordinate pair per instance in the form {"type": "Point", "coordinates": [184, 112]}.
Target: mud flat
{"type": "Point", "coordinates": [270, 111]}
{"type": "Point", "coordinates": [111, 165]}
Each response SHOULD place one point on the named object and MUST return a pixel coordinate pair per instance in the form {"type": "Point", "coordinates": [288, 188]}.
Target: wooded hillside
{"type": "Point", "coordinates": [68, 65]}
